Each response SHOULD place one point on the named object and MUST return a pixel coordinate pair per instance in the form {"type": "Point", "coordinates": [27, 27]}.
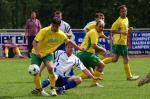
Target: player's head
{"type": "Point", "coordinates": [58, 14]}
{"type": "Point", "coordinates": [100, 26]}
{"type": "Point", "coordinates": [69, 49]}
{"type": "Point", "coordinates": [99, 16]}
{"type": "Point", "coordinates": [55, 24]}
{"type": "Point", "coordinates": [123, 11]}
{"type": "Point", "coordinates": [33, 15]}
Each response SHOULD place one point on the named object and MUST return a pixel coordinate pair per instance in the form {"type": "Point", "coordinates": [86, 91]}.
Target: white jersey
{"type": "Point", "coordinates": [64, 64]}
{"type": "Point", "coordinates": [65, 27]}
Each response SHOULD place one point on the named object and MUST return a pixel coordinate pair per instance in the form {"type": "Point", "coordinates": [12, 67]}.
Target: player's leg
{"type": "Point", "coordinates": [48, 61]}
{"type": "Point", "coordinates": [17, 50]}
{"type": "Point", "coordinates": [124, 53]}
{"type": "Point", "coordinates": [37, 81]}
{"type": "Point", "coordinates": [66, 83]}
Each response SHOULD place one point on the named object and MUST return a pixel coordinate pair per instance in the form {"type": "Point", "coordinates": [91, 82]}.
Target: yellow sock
{"type": "Point", "coordinates": [37, 81]}
{"type": "Point", "coordinates": [107, 60]}
{"type": "Point", "coordinates": [18, 51]}
{"type": "Point", "coordinates": [96, 74]}
{"type": "Point", "coordinates": [52, 79]}
{"type": "Point", "coordinates": [101, 56]}
{"type": "Point", "coordinates": [83, 76]}
{"type": "Point", "coordinates": [6, 51]}
{"type": "Point", "coordinates": [127, 70]}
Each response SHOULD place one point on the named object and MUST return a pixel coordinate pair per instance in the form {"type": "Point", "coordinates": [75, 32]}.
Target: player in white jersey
{"type": "Point", "coordinates": [64, 62]}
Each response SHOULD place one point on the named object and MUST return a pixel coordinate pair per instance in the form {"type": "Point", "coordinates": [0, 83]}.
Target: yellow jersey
{"type": "Point", "coordinates": [90, 38]}
{"type": "Point", "coordinates": [120, 25]}
{"type": "Point", "coordinates": [49, 41]}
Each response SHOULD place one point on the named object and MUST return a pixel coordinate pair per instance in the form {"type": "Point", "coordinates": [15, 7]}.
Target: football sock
{"type": "Point", "coordinates": [107, 60]}
{"type": "Point", "coordinates": [52, 80]}
{"type": "Point", "coordinates": [127, 70]}
{"type": "Point", "coordinates": [83, 76]}
{"type": "Point", "coordinates": [6, 52]}
{"type": "Point", "coordinates": [96, 74]}
{"type": "Point", "coordinates": [101, 56]}
{"type": "Point", "coordinates": [70, 84]}
{"type": "Point", "coordinates": [37, 81]}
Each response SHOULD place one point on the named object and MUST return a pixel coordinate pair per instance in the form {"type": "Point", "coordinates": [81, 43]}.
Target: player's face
{"type": "Point", "coordinates": [123, 12]}
{"type": "Point", "coordinates": [99, 27]}
{"type": "Point", "coordinates": [58, 16]}
{"type": "Point", "coordinates": [99, 18]}
{"type": "Point", "coordinates": [55, 27]}
{"type": "Point", "coordinates": [69, 49]}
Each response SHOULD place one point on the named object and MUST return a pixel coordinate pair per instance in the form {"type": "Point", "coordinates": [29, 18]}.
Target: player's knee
{"type": "Point", "coordinates": [50, 69]}
{"type": "Point", "coordinates": [78, 80]}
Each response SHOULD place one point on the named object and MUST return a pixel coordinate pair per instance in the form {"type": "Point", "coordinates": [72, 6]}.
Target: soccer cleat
{"type": "Point", "coordinates": [133, 78]}
{"type": "Point", "coordinates": [53, 92]}
{"type": "Point", "coordinates": [96, 85]}
{"type": "Point", "coordinates": [20, 56]}
{"type": "Point", "coordinates": [60, 90]}
{"type": "Point", "coordinates": [145, 80]}
{"type": "Point", "coordinates": [39, 92]}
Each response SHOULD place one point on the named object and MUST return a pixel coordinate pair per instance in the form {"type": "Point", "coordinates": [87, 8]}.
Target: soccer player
{"type": "Point", "coordinates": [88, 57]}
{"type": "Point", "coordinates": [120, 32]}
{"type": "Point", "coordinates": [145, 80]}
{"type": "Point", "coordinates": [44, 44]}
{"type": "Point", "coordinates": [10, 46]}
{"type": "Point", "coordinates": [64, 26]}
{"type": "Point", "coordinates": [64, 63]}
{"type": "Point", "coordinates": [91, 25]}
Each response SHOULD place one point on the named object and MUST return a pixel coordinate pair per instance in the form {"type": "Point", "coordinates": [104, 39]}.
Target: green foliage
{"type": "Point", "coordinates": [16, 83]}
{"type": "Point", "coordinates": [14, 13]}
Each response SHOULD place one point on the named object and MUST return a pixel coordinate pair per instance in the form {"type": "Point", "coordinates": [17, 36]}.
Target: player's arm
{"type": "Point", "coordinates": [37, 52]}
{"type": "Point", "coordinates": [95, 46]}
{"type": "Point", "coordinates": [87, 72]}
{"type": "Point", "coordinates": [76, 46]}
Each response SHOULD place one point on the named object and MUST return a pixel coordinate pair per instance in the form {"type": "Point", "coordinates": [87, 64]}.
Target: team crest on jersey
{"type": "Point", "coordinates": [53, 40]}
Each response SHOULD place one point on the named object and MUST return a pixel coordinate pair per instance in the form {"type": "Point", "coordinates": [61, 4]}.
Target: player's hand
{"type": "Point", "coordinates": [38, 54]}
{"type": "Point", "coordinates": [109, 38]}
{"type": "Point", "coordinates": [81, 49]}
{"type": "Point", "coordinates": [130, 29]}
{"type": "Point", "coordinates": [124, 33]}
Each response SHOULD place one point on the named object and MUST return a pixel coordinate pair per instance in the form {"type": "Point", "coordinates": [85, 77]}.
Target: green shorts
{"type": "Point", "coordinates": [88, 59]}
{"type": "Point", "coordinates": [38, 61]}
{"type": "Point", "coordinates": [120, 50]}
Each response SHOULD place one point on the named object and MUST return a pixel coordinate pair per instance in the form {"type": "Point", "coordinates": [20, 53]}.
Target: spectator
{"type": "Point", "coordinates": [32, 27]}
{"type": "Point", "coordinates": [10, 49]}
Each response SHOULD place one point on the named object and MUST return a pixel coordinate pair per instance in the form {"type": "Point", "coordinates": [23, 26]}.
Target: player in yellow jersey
{"type": "Point", "coordinates": [92, 25]}
{"type": "Point", "coordinates": [88, 57]}
{"type": "Point", "coordinates": [120, 32]}
{"type": "Point", "coordinates": [44, 44]}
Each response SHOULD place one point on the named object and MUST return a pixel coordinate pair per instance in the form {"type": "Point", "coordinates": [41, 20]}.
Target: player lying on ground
{"type": "Point", "coordinates": [64, 63]}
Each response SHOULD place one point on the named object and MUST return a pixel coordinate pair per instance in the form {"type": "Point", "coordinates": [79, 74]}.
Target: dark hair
{"type": "Point", "coordinates": [57, 12]}
{"type": "Point", "coordinates": [98, 14]}
{"type": "Point", "coordinates": [56, 20]}
{"type": "Point", "coordinates": [122, 7]}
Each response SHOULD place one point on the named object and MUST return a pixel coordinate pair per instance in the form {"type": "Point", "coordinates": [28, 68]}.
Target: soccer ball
{"type": "Point", "coordinates": [33, 69]}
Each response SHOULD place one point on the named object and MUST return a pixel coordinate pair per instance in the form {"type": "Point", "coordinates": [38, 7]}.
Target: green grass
{"type": "Point", "coordinates": [16, 83]}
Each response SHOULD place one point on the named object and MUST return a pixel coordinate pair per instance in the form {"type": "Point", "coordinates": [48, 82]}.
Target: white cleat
{"type": "Point", "coordinates": [39, 92]}
{"type": "Point", "coordinates": [53, 92]}
{"type": "Point", "coordinates": [43, 93]}
{"type": "Point", "coordinates": [133, 78]}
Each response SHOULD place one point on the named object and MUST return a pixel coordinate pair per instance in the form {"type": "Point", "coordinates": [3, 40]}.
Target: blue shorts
{"type": "Point", "coordinates": [61, 81]}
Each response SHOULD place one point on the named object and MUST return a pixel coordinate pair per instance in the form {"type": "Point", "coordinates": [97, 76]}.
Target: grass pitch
{"type": "Point", "coordinates": [16, 83]}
